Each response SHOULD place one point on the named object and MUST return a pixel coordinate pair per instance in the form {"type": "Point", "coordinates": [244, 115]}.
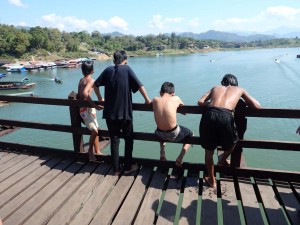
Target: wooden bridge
{"type": "Point", "coordinates": [42, 185]}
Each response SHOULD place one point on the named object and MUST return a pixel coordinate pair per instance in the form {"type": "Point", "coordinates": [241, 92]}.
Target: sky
{"type": "Point", "coordinates": [142, 17]}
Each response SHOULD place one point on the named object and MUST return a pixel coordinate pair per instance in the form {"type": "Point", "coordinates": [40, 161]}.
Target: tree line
{"type": "Point", "coordinates": [20, 42]}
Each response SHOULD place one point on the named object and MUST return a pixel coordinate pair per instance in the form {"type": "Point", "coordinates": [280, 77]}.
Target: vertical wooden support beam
{"type": "Point", "coordinates": [76, 122]}
{"type": "Point", "coordinates": [237, 159]}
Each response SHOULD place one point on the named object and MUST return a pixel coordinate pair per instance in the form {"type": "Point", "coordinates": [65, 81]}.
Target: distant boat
{"type": "Point", "coordinates": [12, 85]}
{"type": "Point", "coordinates": [16, 68]}
{"type": "Point", "coordinates": [2, 75]}
{"type": "Point", "coordinates": [298, 56]}
{"type": "Point", "coordinates": [158, 54]}
{"type": "Point", "coordinates": [277, 60]}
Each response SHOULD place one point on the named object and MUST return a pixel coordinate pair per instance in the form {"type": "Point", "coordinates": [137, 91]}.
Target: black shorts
{"type": "Point", "coordinates": [217, 128]}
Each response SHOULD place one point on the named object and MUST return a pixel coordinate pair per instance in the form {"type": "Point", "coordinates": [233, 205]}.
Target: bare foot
{"type": "Point", "coordinates": [100, 153]}
{"type": "Point", "coordinates": [210, 183]}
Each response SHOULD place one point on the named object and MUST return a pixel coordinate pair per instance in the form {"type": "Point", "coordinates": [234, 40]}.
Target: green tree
{"type": "Point", "coordinates": [39, 38]}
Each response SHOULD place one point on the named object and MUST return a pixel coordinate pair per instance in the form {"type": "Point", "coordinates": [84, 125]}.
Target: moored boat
{"type": "Point", "coordinates": [16, 68]}
{"type": "Point", "coordinates": [12, 85]}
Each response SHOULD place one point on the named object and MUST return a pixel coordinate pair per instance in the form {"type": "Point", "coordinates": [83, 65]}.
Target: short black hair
{"type": "Point", "coordinates": [118, 57]}
{"type": "Point", "coordinates": [87, 67]}
{"type": "Point", "coordinates": [229, 79]}
{"type": "Point", "coordinates": [167, 87]}
{"type": "Point", "coordinates": [123, 54]}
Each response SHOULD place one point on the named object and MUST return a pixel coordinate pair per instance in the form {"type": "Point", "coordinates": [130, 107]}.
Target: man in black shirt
{"type": "Point", "coordinates": [119, 82]}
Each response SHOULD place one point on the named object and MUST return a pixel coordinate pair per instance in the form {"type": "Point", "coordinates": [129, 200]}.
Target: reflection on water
{"type": "Point", "coordinates": [275, 85]}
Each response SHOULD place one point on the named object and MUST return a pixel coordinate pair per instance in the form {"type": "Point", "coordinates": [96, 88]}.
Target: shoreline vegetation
{"type": "Point", "coordinates": [50, 44]}
{"type": "Point", "coordinates": [108, 56]}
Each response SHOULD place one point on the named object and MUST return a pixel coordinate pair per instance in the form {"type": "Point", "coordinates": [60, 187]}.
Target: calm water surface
{"type": "Point", "coordinates": [275, 85]}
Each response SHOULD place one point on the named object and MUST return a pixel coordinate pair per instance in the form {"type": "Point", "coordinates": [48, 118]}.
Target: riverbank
{"type": "Point", "coordinates": [103, 56]}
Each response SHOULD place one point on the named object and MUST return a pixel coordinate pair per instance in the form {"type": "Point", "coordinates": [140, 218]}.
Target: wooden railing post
{"type": "Point", "coordinates": [237, 159]}
{"type": "Point", "coordinates": [76, 122]}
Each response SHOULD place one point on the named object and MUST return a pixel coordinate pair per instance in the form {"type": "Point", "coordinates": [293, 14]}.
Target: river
{"type": "Point", "coordinates": [273, 84]}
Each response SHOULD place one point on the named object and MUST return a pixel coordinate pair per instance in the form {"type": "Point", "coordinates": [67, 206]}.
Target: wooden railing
{"type": "Point", "coordinates": [241, 114]}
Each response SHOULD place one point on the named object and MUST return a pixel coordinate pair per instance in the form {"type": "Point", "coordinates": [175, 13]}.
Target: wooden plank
{"type": "Point", "coordinates": [95, 201]}
{"type": "Point", "coordinates": [230, 209]}
{"type": "Point", "coordinates": [110, 206]}
{"type": "Point", "coordinates": [34, 203]}
{"type": "Point", "coordinates": [250, 203]}
{"type": "Point", "coordinates": [70, 209]}
{"type": "Point", "coordinates": [12, 162]}
{"type": "Point", "coordinates": [45, 213]}
{"type": "Point", "coordinates": [289, 200]}
{"type": "Point", "coordinates": [209, 213]}
{"type": "Point", "coordinates": [170, 202]}
{"type": "Point", "coordinates": [33, 177]}
{"type": "Point", "coordinates": [147, 212]}
{"type": "Point", "coordinates": [21, 165]}
{"type": "Point", "coordinates": [134, 198]}
{"type": "Point", "coordinates": [2, 154]}
{"type": "Point", "coordinates": [22, 173]}
{"type": "Point", "coordinates": [33, 189]}
{"type": "Point", "coordinates": [271, 204]}
{"type": "Point", "coordinates": [190, 201]}
{"type": "Point", "coordinates": [7, 157]}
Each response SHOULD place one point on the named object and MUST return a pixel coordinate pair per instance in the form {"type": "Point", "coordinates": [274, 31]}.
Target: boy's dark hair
{"type": "Point", "coordinates": [123, 54]}
{"type": "Point", "coordinates": [118, 57]}
{"type": "Point", "coordinates": [229, 79]}
{"type": "Point", "coordinates": [167, 87]}
{"type": "Point", "coordinates": [87, 68]}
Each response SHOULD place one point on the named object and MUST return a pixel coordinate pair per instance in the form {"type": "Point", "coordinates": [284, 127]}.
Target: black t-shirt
{"type": "Point", "coordinates": [119, 81]}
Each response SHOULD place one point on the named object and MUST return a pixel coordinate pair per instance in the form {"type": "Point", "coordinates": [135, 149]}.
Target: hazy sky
{"type": "Point", "coordinates": [141, 17]}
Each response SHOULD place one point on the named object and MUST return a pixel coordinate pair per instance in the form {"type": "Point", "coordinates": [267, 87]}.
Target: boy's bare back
{"type": "Point", "coordinates": [165, 109]}
{"type": "Point", "coordinates": [227, 97]}
{"type": "Point", "coordinates": [85, 87]}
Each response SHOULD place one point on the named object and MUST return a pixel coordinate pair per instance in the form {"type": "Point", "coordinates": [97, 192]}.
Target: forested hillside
{"type": "Point", "coordinates": [23, 42]}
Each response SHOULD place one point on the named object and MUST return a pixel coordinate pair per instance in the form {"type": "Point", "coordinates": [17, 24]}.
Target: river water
{"type": "Point", "coordinates": [273, 84]}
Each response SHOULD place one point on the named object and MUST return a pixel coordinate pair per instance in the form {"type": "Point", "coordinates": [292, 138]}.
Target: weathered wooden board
{"type": "Point", "coordinates": [96, 199]}
{"type": "Point", "coordinates": [74, 204]}
{"type": "Point", "coordinates": [45, 213]}
{"type": "Point", "coordinates": [21, 173]}
{"type": "Point", "coordinates": [271, 204]}
{"type": "Point", "coordinates": [231, 214]}
{"type": "Point", "coordinates": [35, 202]}
{"type": "Point", "coordinates": [134, 198]}
{"type": "Point", "coordinates": [11, 163]}
{"type": "Point", "coordinates": [23, 197]}
{"type": "Point", "coordinates": [250, 203]}
{"type": "Point", "coordinates": [170, 202]}
{"type": "Point", "coordinates": [22, 185]}
{"type": "Point", "coordinates": [188, 213]}
{"type": "Point", "coordinates": [147, 213]}
{"type": "Point", "coordinates": [289, 200]}
{"type": "Point", "coordinates": [209, 213]}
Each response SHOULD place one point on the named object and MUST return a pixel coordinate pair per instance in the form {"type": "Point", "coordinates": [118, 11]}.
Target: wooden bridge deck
{"type": "Point", "coordinates": [46, 189]}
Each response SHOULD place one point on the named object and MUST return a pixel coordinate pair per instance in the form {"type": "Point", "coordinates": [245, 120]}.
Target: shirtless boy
{"type": "Point", "coordinates": [165, 109]}
{"type": "Point", "coordinates": [85, 89]}
{"type": "Point", "coordinates": [217, 127]}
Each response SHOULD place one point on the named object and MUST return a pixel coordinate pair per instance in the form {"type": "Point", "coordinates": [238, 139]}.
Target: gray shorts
{"type": "Point", "coordinates": [176, 134]}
